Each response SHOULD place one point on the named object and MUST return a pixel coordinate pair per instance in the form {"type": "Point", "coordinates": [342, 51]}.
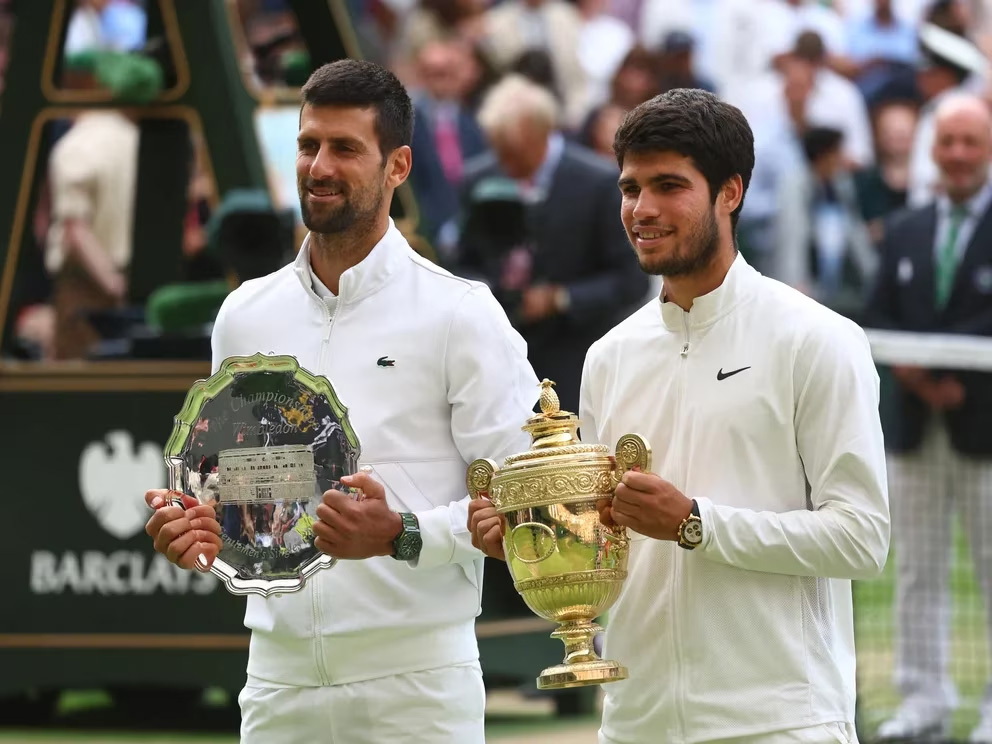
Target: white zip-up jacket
{"type": "Point", "coordinates": [460, 387]}
{"type": "Point", "coordinates": [763, 406]}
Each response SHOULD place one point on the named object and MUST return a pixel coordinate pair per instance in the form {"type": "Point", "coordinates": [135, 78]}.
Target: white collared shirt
{"type": "Point", "coordinates": [536, 190]}
{"type": "Point", "coordinates": [976, 207]}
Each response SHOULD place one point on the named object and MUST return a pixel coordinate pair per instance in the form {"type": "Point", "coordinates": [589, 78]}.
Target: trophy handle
{"type": "Point", "coordinates": [479, 477]}
{"type": "Point", "coordinates": [632, 451]}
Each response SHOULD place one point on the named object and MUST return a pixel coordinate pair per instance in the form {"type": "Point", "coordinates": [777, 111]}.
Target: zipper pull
{"type": "Point", "coordinates": [685, 324]}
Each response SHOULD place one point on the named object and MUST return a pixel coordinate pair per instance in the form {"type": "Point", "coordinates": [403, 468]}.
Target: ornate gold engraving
{"type": "Point", "coordinates": [580, 577]}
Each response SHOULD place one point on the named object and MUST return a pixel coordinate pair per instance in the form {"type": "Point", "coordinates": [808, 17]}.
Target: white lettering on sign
{"type": "Point", "coordinates": [119, 573]}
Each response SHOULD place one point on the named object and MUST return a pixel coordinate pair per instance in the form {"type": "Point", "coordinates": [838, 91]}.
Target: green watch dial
{"type": "Point", "coordinates": [407, 546]}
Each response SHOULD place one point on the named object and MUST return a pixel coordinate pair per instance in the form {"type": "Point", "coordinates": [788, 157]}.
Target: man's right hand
{"type": "Point", "coordinates": [486, 528]}
{"type": "Point", "coordinates": [182, 534]}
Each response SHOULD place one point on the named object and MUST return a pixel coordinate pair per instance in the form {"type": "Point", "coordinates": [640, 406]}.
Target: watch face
{"type": "Point", "coordinates": [692, 533]}
{"type": "Point", "coordinates": [408, 546]}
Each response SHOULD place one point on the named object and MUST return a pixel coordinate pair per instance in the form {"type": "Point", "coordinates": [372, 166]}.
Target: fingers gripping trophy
{"type": "Point", "coordinates": [566, 564]}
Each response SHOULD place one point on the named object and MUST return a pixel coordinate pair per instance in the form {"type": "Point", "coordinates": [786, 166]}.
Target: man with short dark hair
{"type": "Point", "coordinates": [769, 492]}
{"type": "Point", "coordinates": [382, 647]}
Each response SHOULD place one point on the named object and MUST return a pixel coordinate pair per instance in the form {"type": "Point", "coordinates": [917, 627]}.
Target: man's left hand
{"type": "Point", "coordinates": [647, 504]}
{"type": "Point", "coordinates": [355, 529]}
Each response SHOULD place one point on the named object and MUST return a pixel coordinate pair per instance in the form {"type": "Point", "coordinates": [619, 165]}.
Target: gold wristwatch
{"type": "Point", "coordinates": [691, 530]}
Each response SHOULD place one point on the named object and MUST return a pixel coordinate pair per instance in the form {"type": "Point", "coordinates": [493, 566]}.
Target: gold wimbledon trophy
{"type": "Point", "coordinates": [567, 566]}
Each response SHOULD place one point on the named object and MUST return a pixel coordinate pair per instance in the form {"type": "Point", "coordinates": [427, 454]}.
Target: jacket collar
{"type": "Point", "coordinates": [974, 208]}
{"type": "Point", "coordinates": [710, 307]}
{"type": "Point", "coordinates": [368, 276]}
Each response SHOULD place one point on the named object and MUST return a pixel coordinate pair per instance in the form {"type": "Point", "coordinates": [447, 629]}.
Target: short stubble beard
{"type": "Point", "coordinates": [703, 243]}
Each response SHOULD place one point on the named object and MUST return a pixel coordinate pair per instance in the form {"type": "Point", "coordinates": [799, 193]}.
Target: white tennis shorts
{"type": "Point", "coordinates": [437, 706]}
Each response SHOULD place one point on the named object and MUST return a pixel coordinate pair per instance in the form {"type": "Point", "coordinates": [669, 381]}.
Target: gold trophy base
{"type": "Point", "coordinates": [582, 665]}
{"type": "Point", "coordinates": [581, 674]}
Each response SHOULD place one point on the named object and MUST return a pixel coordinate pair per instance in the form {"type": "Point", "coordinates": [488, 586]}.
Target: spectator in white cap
{"type": "Point", "coordinates": [949, 64]}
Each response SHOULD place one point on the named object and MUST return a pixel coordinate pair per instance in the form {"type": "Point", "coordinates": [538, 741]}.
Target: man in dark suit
{"type": "Point", "coordinates": [541, 227]}
{"type": "Point", "coordinates": [445, 136]}
{"type": "Point", "coordinates": [936, 276]}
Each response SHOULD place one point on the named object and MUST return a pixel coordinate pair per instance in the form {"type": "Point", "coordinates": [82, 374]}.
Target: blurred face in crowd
{"type": "Point", "coordinates": [883, 8]}
{"type": "Point", "coordinates": [896, 127]}
{"type": "Point", "coordinates": [798, 77]}
{"type": "Point", "coordinates": [635, 82]}
{"type": "Point", "coordinates": [962, 146]}
{"type": "Point", "coordinates": [604, 129]}
{"type": "Point", "coordinates": [669, 214]}
{"type": "Point", "coordinates": [829, 164]}
{"type": "Point", "coordinates": [520, 147]}
{"type": "Point", "coordinates": [441, 65]}
{"type": "Point", "coordinates": [341, 175]}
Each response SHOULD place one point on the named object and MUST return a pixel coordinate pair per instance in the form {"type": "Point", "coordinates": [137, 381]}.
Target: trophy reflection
{"type": "Point", "coordinates": [566, 565]}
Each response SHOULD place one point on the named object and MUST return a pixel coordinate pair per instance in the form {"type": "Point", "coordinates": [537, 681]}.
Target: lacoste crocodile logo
{"type": "Point", "coordinates": [384, 362]}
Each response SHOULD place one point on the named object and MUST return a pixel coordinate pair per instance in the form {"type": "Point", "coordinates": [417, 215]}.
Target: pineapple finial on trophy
{"type": "Point", "coordinates": [550, 405]}
{"type": "Point", "coordinates": [552, 427]}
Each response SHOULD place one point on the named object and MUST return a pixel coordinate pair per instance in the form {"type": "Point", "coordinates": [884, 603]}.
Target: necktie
{"type": "Point", "coordinates": [947, 257]}
{"type": "Point", "coordinates": [449, 148]}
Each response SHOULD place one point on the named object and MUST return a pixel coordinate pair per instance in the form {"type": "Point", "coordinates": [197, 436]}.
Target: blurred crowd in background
{"type": "Point", "coordinates": [517, 102]}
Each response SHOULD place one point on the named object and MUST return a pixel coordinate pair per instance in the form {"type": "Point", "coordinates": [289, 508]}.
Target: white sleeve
{"type": "Point", "coordinates": [845, 532]}
{"type": "Point", "coordinates": [492, 390]}
{"type": "Point", "coordinates": [219, 338]}
{"type": "Point", "coordinates": [589, 431]}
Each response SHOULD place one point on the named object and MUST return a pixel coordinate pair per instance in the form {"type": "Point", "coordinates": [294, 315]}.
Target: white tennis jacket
{"type": "Point", "coordinates": [763, 406]}
{"type": "Point", "coordinates": [459, 387]}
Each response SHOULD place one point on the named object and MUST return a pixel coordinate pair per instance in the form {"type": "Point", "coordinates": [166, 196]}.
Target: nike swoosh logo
{"type": "Point", "coordinates": [721, 375]}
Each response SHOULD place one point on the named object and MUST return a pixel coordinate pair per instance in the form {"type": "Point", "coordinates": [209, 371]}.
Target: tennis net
{"type": "Point", "coordinates": [921, 628]}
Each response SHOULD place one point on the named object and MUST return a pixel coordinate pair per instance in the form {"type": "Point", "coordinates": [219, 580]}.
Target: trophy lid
{"type": "Point", "coordinates": [552, 427]}
{"type": "Point", "coordinates": [554, 433]}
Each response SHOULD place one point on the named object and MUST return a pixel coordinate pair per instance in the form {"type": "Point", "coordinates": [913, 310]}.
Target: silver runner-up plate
{"type": "Point", "coordinates": [261, 440]}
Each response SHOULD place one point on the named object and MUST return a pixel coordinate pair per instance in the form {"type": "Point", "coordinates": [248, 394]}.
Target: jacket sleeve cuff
{"type": "Point", "coordinates": [706, 515]}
